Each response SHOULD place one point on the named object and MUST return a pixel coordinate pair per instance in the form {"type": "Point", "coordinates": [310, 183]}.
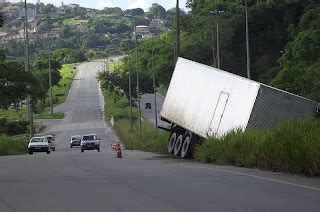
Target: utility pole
{"type": "Point", "coordinates": [137, 71]}
{"type": "Point", "coordinates": [138, 89]}
{"type": "Point", "coordinates": [49, 61]}
{"type": "Point", "coordinates": [130, 96]}
{"type": "Point", "coordinates": [217, 12]}
{"type": "Point", "coordinates": [177, 32]}
{"type": "Point", "coordinates": [247, 42]}
{"type": "Point", "coordinates": [26, 42]}
{"type": "Point", "coordinates": [154, 87]}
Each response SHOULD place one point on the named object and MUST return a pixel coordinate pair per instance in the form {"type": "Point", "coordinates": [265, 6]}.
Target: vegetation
{"type": "Point", "coordinates": [290, 147]}
{"type": "Point", "coordinates": [13, 127]}
{"type": "Point", "coordinates": [148, 140]}
{"type": "Point", "coordinates": [10, 146]}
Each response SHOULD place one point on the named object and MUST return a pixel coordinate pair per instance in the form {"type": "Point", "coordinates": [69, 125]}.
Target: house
{"type": "Point", "coordinates": [157, 24]}
{"type": "Point", "coordinates": [82, 27]}
{"type": "Point", "coordinates": [142, 30]}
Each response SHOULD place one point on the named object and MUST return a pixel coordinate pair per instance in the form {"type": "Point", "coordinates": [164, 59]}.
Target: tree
{"type": "Point", "coordinates": [156, 10]}
{"type": "Point", "coordinates": [13, 83]}
{"type": "Point", "coordinates": [134, 12]}
{"type": "Point", "coordinates": [300, 63]}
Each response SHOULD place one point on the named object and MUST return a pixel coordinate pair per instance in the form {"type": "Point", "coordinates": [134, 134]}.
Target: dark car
{"type": "Point", "coordinates": [148, 106]}
{"type": "Point", "coordinates": [75, 140]}
{"type": "Point", "coordinates": [90, 142]}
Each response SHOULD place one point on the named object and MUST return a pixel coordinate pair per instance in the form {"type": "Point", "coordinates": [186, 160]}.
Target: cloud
{"type": "Point", "coordinates": [138, 4]}
{"type": "Point", "coordinates": [105, 3]}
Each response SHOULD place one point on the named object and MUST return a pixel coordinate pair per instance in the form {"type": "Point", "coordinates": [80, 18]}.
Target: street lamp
{"type": "Point", "coordinates": [177, 31]}
{"type": "Point", "coordinates": [49, 60]}
{"type": "Point", "coordinates": [217, 12]}
{"type": "Point", "coordinates": [130, 95]}
{"type": "Point", "coordinates": [154, 87]}
{"type": "Point", "coordinates": [26, 42]}
{"type": "Point", "coordinates": [137, 71]}
{"type": "Point", "coordinates": [247, 41]}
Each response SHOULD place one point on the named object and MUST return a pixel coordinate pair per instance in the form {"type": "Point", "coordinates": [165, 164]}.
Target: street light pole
{"type": "Point", "coordinates": [217, 12]}
{"type": "Point", "coordinates": [130, 96]}
{"type": "Point", "coordinates": [49, 61]}
{"type": "Point", "coordinates": [137, 71]}
{"type": "Point", "coordinates": [138, 89]}
{"type": "Point", "coordinates": [177, 31]}
{"type": "Point", "coordinates": [26, 42]}
{"type": "Point", "coordinates": [154, 88]}
{"type": "Point", "coordinates": [247, 42]}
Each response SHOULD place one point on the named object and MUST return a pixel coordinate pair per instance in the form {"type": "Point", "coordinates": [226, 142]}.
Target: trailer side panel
{"type": "Point", "coordinates": [273, 106]}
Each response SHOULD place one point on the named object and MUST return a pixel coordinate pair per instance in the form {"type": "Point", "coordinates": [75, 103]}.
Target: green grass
{"type": "Point", "coordinates": [60, 91]}
{"type": "Point", "coordinates": [49, 116]}
{"type": "Point", "coordinates": [148, 140]}
{"type": "Point", "coordinates": [11, 146]}
{"type": "Point", "coordinates": [290, 147]}
{"type": "Point", "coordinates": [73, 21]}
{"type": "Point", "coordinates": [116, 65]}
{"type": "Point", "coordinates": [162, 90]}
{"type": "Point", "coordinates": [14, 114]}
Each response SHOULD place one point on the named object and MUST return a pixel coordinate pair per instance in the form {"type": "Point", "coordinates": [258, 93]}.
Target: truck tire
{"type": "Point", "coordinates": [178, 145]}
{"type": "Point", "coordinates": [172, 142]}
{"type": "Point", "coordinates": [186, 146]}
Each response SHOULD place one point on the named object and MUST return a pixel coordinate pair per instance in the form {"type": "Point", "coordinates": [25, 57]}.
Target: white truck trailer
{"type": "Point", "coordinates": [203, 101]}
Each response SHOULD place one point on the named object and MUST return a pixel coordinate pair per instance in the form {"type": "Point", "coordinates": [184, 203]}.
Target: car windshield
{"type": "Point", "coordinates": [76, 138]}
{"type": "Point", "coordinates": [88, 137]}
{"type": "Point", "coordinates": [37, 140]}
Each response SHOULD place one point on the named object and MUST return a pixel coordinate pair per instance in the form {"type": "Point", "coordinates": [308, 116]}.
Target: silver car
{"type": "Point", "coordinates": [52, 143]}
{"type": "Point", "coordinates": [38, 144]}
{"type": "Point", "coordinates": [75, 140]}
{"type": "Point", "coordinates": [90, 142]}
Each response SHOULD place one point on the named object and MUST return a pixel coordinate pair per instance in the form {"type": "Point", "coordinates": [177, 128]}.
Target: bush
{"type": "Point", "coordinates": [13, 127]}
{"type": "Point", "coordinates": [291, 147]}
{"type": "Point", "coordinates": [9, 146]}
{"type": "Point", "coordinates": [149, 141]}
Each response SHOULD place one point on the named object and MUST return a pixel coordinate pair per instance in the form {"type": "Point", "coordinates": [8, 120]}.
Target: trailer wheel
{"type": "Point", "coordinates": [178, 145]}
{"type": "Point", "coordinates": [172, 142]}
{"type": "Point", "coordinates": [186, 146]}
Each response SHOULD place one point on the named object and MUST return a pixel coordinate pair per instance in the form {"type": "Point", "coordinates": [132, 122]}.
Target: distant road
{"type": "Point", "coordinates": [68, 180]}
{"type": "Point", "coordinates": [149, 114]}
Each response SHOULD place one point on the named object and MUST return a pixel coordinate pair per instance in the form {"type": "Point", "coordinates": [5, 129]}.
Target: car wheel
{"type": "Point", "coordinates": [82, 150]}
{"type": "Point", "coordinates": [48, 152]}
{"type": "Point", "coordinates": [98, 149]}
{"type": "Point", "coordinates": [70, 146]}
{"type": "Point", "coordinates": [54, 149]}
{"type": "Point", "coordinates": [30, 152]}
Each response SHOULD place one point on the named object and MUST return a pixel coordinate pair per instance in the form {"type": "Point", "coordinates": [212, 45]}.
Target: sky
{"type": "Point", "coordinates": [123, 4]}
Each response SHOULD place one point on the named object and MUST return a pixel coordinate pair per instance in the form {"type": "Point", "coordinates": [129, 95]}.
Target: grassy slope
{"type": "Point", "coordinates": [291, 147]}
{"type": "Point", "coordinates": [148, 140]}
{"type": "Point", "coordinates": [10, 146]}
{"type": "Point", "coordinates": [61, 90]}
{"type": "Point", "coordinates": [73, 21]}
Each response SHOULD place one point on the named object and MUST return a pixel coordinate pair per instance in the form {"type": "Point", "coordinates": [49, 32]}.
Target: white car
{"type": "Point", "coordinates": [52, 143]}
{"type": "Point", "coordinates": [38, 144]}
{"type": "Point", "coordinates": [90, 142]}
{"type": "Point", "coordinates": [75, 140]}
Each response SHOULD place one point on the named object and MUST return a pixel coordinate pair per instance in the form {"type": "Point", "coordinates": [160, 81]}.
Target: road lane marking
{"type": "Point", "coordinates": [255, 176]}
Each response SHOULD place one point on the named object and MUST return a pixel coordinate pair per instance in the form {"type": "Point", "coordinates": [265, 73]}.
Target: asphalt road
{"type": "Point", "coordinates": [68, 180]}
{"type": "Point", "coordinates": [149, 114]}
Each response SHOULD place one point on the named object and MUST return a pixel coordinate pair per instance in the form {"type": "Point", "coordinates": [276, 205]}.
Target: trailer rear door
{"type": "Point", "coordinates": [218, 113]}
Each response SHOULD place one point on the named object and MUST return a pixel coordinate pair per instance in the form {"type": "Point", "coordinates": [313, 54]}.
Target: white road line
{"type": "Point", "coordinates": [255, 176]}
{"type": "Point", "coordinates": [80, 73]}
